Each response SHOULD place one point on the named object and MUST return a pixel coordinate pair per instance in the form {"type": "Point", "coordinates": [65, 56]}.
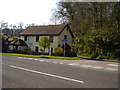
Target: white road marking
{"type": "Point", "coordinates": [24, 58]}
{"type": "Point", "coordinates": [54, 62]}
{"type": "Point", "coordinates": [112, 69]}
{"type": "Point", "coordinates": [30, 58]}
{"type": "Point", "coordinates": [60, 63]}
{"type": "Point", "coordinates": [36, 59]}
{"type": "Point", "coordinates": [41, 60]}
{"type": "Point", "coordinates": [86, 66]}
{"type": "Point", "coordinates": [96, 67]}
{"type": "Point", "coordinates": [113, 65]}
{"type": "Point", "coordinates": [91, 61]}
{"type": "Point", "coordinates": [47, 74]}
{"type": "Point", "coordinates": [19, 57]}
{"type": "Point", "coordinates": [73, 64]}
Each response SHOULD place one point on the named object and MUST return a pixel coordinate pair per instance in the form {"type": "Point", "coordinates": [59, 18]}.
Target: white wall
{"type": "Point", "coordinates": [22, 47]}
{"type": "Point", "coordinates": [61, 36]}
{"type": "Point", "coordinates": [10, 47]}
{"type": "Point", "coordinates": [55, 42]}
{"type": "Point", "coordinates": [31, 42]}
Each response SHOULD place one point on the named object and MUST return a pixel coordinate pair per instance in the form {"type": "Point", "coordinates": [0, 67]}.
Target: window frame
{"type": "Point", "coordinates": [37, 38]}
{"type": "Point", "coordinates": [65, 36]}
{"type": "Point", "coordinates": [51, 38]}
{"type": "Point", "coordinates": [25, 38]}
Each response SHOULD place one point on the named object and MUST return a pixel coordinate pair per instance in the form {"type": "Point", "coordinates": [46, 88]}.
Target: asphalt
{"type": "Point", "coordinates": [19, 72]}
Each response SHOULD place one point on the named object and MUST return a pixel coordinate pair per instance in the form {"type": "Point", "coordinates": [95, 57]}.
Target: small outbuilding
{"type": "Point", "coordinates": [17, 45]}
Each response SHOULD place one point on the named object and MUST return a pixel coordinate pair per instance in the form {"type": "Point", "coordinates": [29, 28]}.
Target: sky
{"type": "Point", "coordinates": [27, 11]}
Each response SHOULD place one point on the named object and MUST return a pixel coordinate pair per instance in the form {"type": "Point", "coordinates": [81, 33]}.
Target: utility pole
{"type": "Point", "coordinates": [64, 41]}
{"type": "Point", "coordinates": [64, 50]}
{"type": "Point", "coordinates": [50, 51]}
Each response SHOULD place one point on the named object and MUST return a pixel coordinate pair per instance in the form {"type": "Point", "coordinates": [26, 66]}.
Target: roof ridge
{"type": "Point", "coordinates": [49, 25]}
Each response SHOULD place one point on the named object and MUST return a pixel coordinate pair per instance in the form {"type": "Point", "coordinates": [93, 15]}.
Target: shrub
{"type": "Point", "coordinates": [70, 54]}
{"type": "Point", "coordinates": [58, 51]}
{"type": "Point", "coordinates": [95, 55]}
{"type": "Point", "coordinates": [33, 53]}
{"type": "Point", "coordinates": [100, 57]}
{"type": "Point", "coordinates": [23, 52]}
{"type": "Point", "coordinates": [28, 52]}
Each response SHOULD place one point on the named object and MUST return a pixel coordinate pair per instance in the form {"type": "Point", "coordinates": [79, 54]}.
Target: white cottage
{"type": "Point", "coordinates": [55, 32]}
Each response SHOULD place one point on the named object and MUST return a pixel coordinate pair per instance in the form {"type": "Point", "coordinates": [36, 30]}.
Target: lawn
{"type": "Point", "coordinates": [105, 57]}
{"type": "Point", "coordinates": [51, 57]}
{"type": "Point", "coordinates": [42, 56]}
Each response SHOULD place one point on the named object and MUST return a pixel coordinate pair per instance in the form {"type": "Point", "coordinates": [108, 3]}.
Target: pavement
{"type": "Point", "coordinates": [24, 72]}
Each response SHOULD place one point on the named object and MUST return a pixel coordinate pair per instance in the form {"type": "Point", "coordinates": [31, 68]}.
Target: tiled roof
{"type": "Point", "coordinates": [44, 30]}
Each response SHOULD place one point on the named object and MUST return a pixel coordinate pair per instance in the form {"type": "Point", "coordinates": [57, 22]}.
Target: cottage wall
{"type": "Point", "coordinates": [61, 36]}
{"type": "Point", "coordinates": [31, 42]}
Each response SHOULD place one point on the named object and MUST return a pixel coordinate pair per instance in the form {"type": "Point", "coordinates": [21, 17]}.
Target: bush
{"type": "Point", "coordinates": [94, 55]}
{"type": "Point", "coordinates": [70, 54]}
{"type": "Point", "coordinates": [100, 57]}
{"type": "Point", "coordinates": [58, 51]}
{"type": "Point", "coordinates": [23, 52]}
{"type": "Point", "coordinates": [28, 52]}
{"type": "Point", "coordinates": [33, 53]}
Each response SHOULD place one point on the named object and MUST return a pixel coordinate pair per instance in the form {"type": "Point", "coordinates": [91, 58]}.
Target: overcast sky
{"type": "Point", "coordinates": [27, 11]}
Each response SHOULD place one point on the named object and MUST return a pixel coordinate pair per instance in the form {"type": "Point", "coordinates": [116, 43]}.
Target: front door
{"type": "Point", "coordinates": [36, 49]}
{"type": "Point", "coordinates": [16, 48]}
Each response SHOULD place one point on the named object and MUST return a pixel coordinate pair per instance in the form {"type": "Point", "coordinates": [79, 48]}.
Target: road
{"type": "Point", "coordinates": [23, 72]}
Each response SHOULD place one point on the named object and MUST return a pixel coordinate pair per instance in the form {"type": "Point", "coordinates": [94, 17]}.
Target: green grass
{"type": "Point", "coordinates": [105, 57]}
{"type": "Point", "coordinates": [54, 57]}
{"type": "Point", "coordinates": [42, 56]}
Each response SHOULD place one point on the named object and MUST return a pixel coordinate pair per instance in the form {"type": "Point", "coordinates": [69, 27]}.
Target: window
{"type": "Point", "coordinates": [37, 38]}
{"type": "Point", "coordinates": [36, 48]}
{"type": "Point", "coordinates": [65, 36]}
{"type": "Point", "coordinates": [51, 39]}
{"type": "Point", "coordinates": [59, 45]}
{"type": "Point", "coordinates": [25, 38]}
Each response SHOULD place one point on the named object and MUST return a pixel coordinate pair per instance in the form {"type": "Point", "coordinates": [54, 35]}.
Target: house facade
{"type": "Point", "coordinates": [56, 33]}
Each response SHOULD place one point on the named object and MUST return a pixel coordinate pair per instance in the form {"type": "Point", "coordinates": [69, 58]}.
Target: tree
{"type": "Point", "coordinates": [44, 43]}
{"type": "Point", "coordinates": [95, 26]}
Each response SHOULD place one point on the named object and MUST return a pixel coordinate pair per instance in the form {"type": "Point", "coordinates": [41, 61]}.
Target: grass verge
{"type": "Point", "coordinates": [105, 58]}
{"type": "Point", "coordinates": [42, 56]}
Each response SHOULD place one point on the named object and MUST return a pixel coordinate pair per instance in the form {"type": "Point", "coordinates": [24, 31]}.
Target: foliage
{"type": "Point", "coordinates": [33, 53]}
{"type": "Point", "coordinates": [44, 43]}
{"type": "Point", "coordinates": [95, 26]}
{"type": "Point", "coordinates": [28, 52]}
{"type": "Point", "coordinates": [58, 51]}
